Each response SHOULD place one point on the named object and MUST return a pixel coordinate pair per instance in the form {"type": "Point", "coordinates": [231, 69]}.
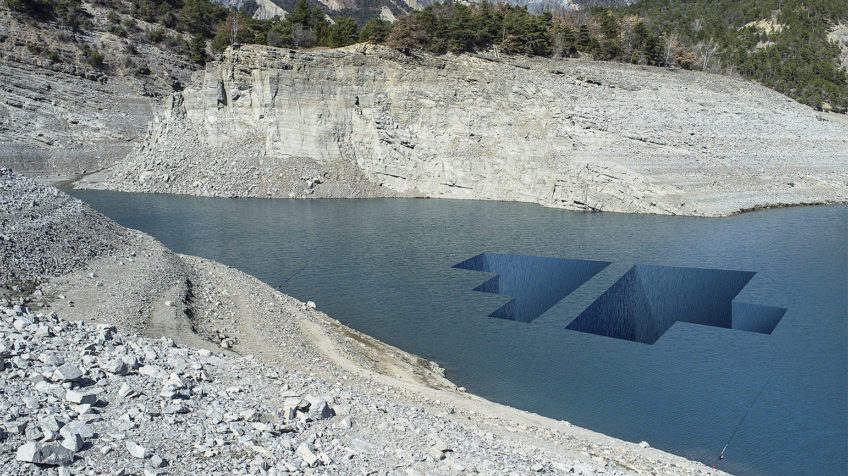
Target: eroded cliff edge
{"type": "Point", "coordinates": [371, 121]}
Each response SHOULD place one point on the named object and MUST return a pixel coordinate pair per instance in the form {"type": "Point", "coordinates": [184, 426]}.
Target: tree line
{"type": "Point", "coordinates": [782, 44]}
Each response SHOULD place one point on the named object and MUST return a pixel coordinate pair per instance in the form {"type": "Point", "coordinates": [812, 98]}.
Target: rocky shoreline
{"type": "Point", "coordinates": [369, 121]}
{"type": "Point", "coordinates": [257, 382]}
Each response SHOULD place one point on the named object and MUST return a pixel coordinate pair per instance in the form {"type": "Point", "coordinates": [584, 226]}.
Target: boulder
{"type": "Point", "coordinates": [67, 373]}
{"type": "Point", "coordinates": [74, 396]}
{"type": "Point", "coordinates": [319, 409]}
{"type": "Point", "coordinates": [76, 427]}
{"type": "Point", "coordinates": [304, 452]}
{"type": "Point", "coordinates": [136, 450]}
{"type": "Point", "coordinates": [73, 442]}
{"type": "Point", "coordinates": [114, 366]}
{"type": "Point", "coordinates": [48, 454]}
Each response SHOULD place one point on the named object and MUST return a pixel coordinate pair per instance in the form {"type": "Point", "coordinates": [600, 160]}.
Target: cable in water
{"type": "Point", "coordinates": [739, 425]}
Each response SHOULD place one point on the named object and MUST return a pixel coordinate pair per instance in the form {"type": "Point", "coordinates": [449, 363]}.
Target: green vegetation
{"type": "Point", "coordinates": [92, 56]}
{"type": "Point", "coordinates": [376, 31]}
{"type": "Point", "coordinates": [34, 49]}
{"type": "Point", "coordinates": [198, 49]}
{"type": "Point", "coordinates": [782, 44]}
{"type": "Point", "coordinates": [117, 31]}
{"type": "Point", "coordinates": [68, 11]}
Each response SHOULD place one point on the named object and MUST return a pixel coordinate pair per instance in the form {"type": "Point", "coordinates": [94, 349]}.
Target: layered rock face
{"type": "Point", "coordinates": [65, 121]}
{"type": "Point", "coordinates": [62, 117]}
{"type": "Point", "coordinates": [371, 121]}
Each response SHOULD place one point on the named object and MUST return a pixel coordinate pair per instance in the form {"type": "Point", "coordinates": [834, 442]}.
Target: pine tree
{"type": "Point", "coordinates": [198, 49]}
{"type": "Point", "coordinates": [342, 33]}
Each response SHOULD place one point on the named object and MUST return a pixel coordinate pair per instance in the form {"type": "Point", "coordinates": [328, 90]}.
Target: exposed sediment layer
{"type": "Point", "coordinates": [62, 117]}
{"type": "Point", "coordinates": [320, 396]}
{"type": "Point", "coordinates": [576, 134]}
{"type": "Point", "coordinates": [67, 120]}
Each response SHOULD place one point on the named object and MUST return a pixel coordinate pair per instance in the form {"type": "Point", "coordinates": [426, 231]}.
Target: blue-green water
{"type": "Point", "coordinates": [385, 268]}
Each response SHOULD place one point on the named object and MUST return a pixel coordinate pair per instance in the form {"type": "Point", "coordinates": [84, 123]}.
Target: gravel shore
{"type": "Point", "coordinates": [136, 360]}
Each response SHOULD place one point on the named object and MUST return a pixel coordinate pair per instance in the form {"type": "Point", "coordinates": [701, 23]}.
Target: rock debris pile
{"type": "Point", "coordinates": [41, 230]}
{"type": "Point", "coordinates": [88, 398]}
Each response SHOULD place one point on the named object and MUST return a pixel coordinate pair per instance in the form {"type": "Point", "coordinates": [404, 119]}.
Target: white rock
{"type": "Point", "coordinates": [439, 443]}
{"type": "Point", "coordinates": [156, 461]}
{"type": "Point", "coordinates": [81, 409]}
{"type": "Point", "coordinates": [114, 367]}
{"type": "Point", "coordinates": [250, 415]}
{"type": "Point", "coordinates": [67, 373]}
{"type": "Point", "coordinates": [153, 371]}
{"type": "Point", "coordinates": [76, 427]}
{"type": "Point", "coordinates": [50, 388]}
{"type": "Point", "coordinates": [137, 451]}
{"type": "Point", "coordinates": [49, 423]}
{"type": "Point", "coordinates": [130, 361]}
{"type": "Point", "coordinates": [126, 391]}
{"type": "Point", "coordinates": [290, 408]}
{"type": "Point", "coordinates": [343, 424]}
{"type": "Point", "coordinates": [304, 452]}
{"type": "Point", "coordinates": [74, 396]}
{"type": "Point", "coordinates": [73, 442]}
{"type": "Point", "coordinates": [436, 453]}
{"type": "Point", "coordinates": [318, 408]}
{"type": "Point", "coordinates": [261, 427]}
{"type": "Point", "coordinates": [16, 427]}
{"type": "Point", "coordinates": [175, 381]}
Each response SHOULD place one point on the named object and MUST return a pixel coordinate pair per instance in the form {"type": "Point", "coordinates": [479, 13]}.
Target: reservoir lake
{"type": "Point", "coordinates": [768, 378]}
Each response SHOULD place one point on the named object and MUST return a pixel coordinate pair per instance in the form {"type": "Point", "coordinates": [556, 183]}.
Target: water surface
{"type": "Point", "coordinates": [385, 267]}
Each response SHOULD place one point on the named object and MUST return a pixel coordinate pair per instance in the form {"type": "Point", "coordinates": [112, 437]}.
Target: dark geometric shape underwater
{"type": "Point", "coordinates": [640, 307]}
{"type": "Point", "coordinates": [534, 283]}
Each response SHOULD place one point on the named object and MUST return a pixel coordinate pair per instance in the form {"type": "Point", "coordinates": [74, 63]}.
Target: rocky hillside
{"type": "Point", "coordinates": [74, 100]}
{"type": "Point", "coordinates": [839, 35]}
{"type": "Point", "coordinates": [577, 134]}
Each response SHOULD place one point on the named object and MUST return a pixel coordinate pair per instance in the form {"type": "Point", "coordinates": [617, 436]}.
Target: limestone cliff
{"type": "Point", "coordinates": [371, 121]}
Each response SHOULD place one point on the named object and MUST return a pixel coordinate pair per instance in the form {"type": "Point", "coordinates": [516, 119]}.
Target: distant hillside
{"type": "Point", "coordinates": [361, 10]}
{"type": "Point", "coordinates": [389, 10]}
{"type": "Point", "coordinates": [79, 82]}
{"type": "Point", "coordinates": [797, 47]}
